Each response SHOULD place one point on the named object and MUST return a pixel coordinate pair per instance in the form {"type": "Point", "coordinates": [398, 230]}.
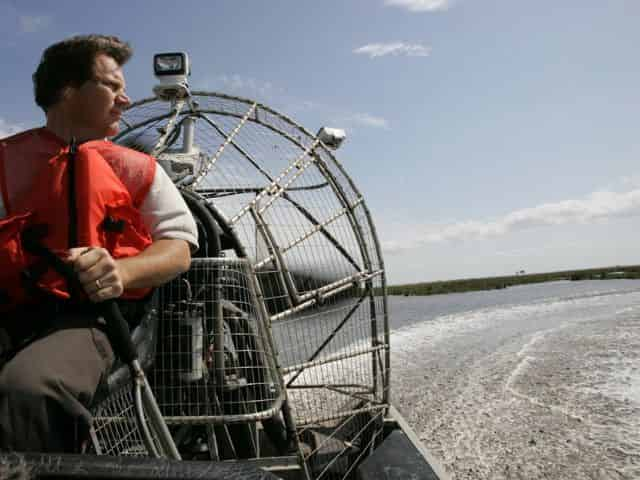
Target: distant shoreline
{"type": "Point", "coordinates": [496, 283]}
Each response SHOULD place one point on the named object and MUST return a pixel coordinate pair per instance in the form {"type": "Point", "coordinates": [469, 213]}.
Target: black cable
{"type": "Point", "coordinates": [198, 207]}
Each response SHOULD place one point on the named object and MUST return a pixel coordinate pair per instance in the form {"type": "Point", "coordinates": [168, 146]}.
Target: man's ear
{"type": "Point", "coordinates": [67, 93]}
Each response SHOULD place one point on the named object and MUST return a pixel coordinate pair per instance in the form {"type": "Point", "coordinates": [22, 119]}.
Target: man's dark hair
{"type": "Point", "coordinates": [70, 63]}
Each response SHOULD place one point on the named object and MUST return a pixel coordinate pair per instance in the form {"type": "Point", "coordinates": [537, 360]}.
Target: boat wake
{"type": "Point", "coordinates": [545, 390]}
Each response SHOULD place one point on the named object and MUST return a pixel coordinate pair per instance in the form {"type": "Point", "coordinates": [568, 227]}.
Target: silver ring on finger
{"type": "Point", "coordinates": [98, 284]}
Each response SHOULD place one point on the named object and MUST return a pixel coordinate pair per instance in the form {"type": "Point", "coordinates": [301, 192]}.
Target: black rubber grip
{"type": "Point", "coordinates": [118, 332]}
{"type": "Point", "coordinates": [71, 188]}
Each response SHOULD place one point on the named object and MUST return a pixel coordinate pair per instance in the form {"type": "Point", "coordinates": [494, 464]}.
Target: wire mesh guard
{"type": "Point", "coordinates": [115, 429]}
{"type": "Point", "coordinates": [214, 362]}
{"type": "Point", "coordinates": [286, 204]}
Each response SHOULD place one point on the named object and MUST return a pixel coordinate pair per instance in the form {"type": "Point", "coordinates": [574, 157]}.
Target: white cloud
{"type": "Point", "coordinates": [16, 22]}
{"type": "Point", "coordinates": [596, 207]}
{"type": "Point", "coordinates": [631, 181]}
{"type": "Point", "coordinates": [420, 5]}
{"type": "Point", "coordinates": [7, 128]}
{"type": "Point", "coordinates": [34, 23]}
{"type": "Point", "coordinates": [369, 120]}
{"type": "Point", "coordinates": [352, 121]}
{"type": "Point", "coordinates": [278, 98]}
{"type": "Point", "coordinates": [247, 86]}
{"type": "Point", "coordinates": [536, 251]}
{"type": "Point", "coordinates": [374, 50]}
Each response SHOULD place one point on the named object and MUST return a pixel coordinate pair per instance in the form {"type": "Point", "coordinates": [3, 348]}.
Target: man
{"type": "Point", "coordinates": [142, 238]}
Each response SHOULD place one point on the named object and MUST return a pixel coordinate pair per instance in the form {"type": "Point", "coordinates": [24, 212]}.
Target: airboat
{"type": "Point", "coordinates": [270, 357]}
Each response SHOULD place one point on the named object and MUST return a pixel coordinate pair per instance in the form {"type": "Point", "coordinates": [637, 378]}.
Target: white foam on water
{"type": "Point", "coordinates": [527, 358]}
{"type": "Point", "coordinates": [619, 381]}
{"type": "Point", "coordinates": [428, 333]}
{"type": "Point", "coordinates": [627, 385]}
{"type": "Point", "coordinates": [525, 361]}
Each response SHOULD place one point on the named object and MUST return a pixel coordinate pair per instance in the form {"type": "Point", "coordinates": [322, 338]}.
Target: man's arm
{"type": "Point", "coordinates": [102, 277]}
{"type": "Point", "coordinates": [156, 265]}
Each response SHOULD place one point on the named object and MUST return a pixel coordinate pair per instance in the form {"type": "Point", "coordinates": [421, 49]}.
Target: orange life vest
{"type": "Point", "coordinates": [111, 183]}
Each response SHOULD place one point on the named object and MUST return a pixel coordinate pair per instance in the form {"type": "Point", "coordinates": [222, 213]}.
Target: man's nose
{"type": "Point", "coordinates": [123, 100]}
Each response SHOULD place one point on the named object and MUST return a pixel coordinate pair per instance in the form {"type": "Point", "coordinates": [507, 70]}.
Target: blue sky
{"type": "Point", "coordinates": [486, 136]}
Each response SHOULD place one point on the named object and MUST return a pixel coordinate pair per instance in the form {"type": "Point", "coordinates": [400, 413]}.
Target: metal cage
{"type": "Point", "coordinates": [294, 317]}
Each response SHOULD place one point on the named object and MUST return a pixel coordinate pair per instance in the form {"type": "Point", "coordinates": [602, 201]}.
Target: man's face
{"type": "Point", "coordinates": [96, 106]}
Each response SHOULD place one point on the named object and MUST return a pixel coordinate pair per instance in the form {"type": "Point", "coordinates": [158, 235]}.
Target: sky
{"type": "Point", "coordinates": [487, 137]}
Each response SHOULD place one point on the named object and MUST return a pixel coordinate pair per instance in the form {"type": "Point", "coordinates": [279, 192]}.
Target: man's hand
{"type": "Point", "coordinates": [98, 272]}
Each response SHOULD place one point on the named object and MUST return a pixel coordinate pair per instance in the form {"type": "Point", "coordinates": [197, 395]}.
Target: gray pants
{"type": "Point", "coordinates": [46, 390]}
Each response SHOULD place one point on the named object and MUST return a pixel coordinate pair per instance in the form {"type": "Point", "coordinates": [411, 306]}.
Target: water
{"type": "Point", "coordinates": [537, 381]}
{"type": "Point", "coordinates": [408, 310]}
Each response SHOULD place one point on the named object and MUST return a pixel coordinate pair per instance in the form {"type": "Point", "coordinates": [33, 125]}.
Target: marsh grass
{"type": "Point", "coordinates": [494, 283]}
